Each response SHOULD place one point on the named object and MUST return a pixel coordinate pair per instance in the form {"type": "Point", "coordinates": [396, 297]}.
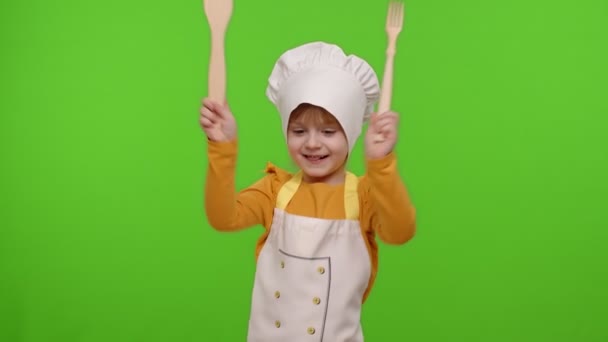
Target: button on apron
{"type": "Point", "coordinates": [329, 265]}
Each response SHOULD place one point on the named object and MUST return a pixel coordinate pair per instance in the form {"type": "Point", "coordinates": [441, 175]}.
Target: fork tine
{"type": "Point", "coordinates": [395, 13]}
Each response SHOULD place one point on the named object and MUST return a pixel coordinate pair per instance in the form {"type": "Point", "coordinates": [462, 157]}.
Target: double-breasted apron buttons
{"type": "Point", "coordinates": [329, 265]}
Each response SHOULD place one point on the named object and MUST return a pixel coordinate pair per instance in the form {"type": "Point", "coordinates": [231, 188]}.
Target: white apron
{"type": "Point", "coordinates": [311, 275]}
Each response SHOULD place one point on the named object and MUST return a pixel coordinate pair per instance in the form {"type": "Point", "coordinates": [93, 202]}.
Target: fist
{"type": "Point", "coordinates": [217, 121]}
{"type": "Point", "coordinates": [381, 135]}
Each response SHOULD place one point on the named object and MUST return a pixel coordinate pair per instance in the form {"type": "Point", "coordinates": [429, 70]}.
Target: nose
{"type": "Point", "coordinates": [313, 141]}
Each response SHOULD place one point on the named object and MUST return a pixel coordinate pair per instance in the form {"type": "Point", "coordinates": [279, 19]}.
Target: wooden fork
{"type": "Point", "coordinates": [394, 23]}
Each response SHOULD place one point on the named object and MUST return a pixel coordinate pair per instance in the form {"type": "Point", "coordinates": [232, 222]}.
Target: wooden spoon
{"type": "Point", "coordinates": [218, 14]}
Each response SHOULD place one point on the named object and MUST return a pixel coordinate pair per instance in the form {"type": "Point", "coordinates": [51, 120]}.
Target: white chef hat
{"type": "Point", "coordinates": [322, 75]}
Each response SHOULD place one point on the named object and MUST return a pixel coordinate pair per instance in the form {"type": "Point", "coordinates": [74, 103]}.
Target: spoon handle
{"type": "Point", "coordinates": [217, 69]}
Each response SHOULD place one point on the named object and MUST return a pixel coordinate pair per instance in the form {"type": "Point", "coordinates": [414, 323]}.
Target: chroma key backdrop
{"type": "Point", "coordinates": [503, 145]}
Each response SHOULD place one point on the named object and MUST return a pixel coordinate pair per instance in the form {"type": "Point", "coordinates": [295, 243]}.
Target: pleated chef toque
{"type": "Point", "coordinates": [321, 74]}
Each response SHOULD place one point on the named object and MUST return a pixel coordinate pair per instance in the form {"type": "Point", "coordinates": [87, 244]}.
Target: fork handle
{"type": "Point", "coordinates": [217, 69]}
{"type": "Point", "coordinates": [387, 80]}
{"type": "Point", "coordinates": [387, 85]}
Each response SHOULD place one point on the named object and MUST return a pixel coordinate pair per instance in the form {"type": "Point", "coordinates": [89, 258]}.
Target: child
{"type": "Point", "coordinates": [317, 258]}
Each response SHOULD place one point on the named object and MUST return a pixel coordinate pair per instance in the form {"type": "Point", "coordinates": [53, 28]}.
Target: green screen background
{"type": "Point", "coordinates": [503, 146]}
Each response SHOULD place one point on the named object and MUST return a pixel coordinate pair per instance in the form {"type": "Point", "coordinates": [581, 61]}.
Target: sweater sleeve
{"type": "Point", "coordinates": [228, 210]}
{"type": "Point", "coordinates": [390, 211]}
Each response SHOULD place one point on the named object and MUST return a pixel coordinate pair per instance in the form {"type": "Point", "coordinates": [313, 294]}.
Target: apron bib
{"type": "Point", "coordinates": [311, 275]}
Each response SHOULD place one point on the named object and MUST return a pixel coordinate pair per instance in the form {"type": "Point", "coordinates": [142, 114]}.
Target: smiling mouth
{"type": "Point", "coordinates": [315, 157]}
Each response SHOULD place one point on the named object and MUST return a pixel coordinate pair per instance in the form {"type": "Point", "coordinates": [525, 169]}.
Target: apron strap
{"type": "Point", "coordinates": [288, 190]}
{"type": "Point", "coordinates": [351, 195]}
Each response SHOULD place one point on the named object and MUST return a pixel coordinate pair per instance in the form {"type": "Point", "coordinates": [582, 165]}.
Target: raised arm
{"type": "Point", "coordinates": [227, 209]}
{"type": "Point", "coordinates": [392, 214]}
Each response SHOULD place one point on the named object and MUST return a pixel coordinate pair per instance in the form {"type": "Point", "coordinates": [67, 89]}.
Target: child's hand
{"type": "Point", "coordinates": [217, 121]}
{"type": "Point", "coordinates": [382, 126]}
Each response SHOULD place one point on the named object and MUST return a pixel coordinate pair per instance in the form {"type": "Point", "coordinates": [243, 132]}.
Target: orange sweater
{"type": "Point", "coordinates": [385, 206]}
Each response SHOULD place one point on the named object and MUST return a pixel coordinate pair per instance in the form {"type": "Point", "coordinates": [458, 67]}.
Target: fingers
{"type": "Point", "coordinates": [388, 120]}
{"type": "Point", "coordinates": [384, 125]}
{"type": "Point", "coordinates": [220, 110]}
{"type": "Point", "coordinates": [386, 128]}
{"type": "Point", "coordinates": [385, 121]}
{"type": "Point", "coordinates": [212, 112]}
{"type": "Point", "coordinates": [209, 103]}
{"type": "Point", "coordinates": [223, 111]}
{"type": "Point", "coordinates": [206, 123]}
{"type": "Point", "coordinates": [208, 115]}
{"type": "Point", "coordinates": [382, 116]}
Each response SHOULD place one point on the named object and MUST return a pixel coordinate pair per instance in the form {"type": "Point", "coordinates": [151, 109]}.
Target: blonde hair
{"type": "Point", "coordinates": [307, 113]}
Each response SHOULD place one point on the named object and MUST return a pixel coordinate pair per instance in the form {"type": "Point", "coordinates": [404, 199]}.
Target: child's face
{"type": "Point", "coordinates": [319, 147]}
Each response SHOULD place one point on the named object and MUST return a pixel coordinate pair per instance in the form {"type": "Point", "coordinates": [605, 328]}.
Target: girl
{"type": "Point", "coordinates": [317, 258]}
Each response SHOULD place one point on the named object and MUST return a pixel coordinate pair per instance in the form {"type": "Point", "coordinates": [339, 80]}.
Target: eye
{"type": "Point", "coordinates": [329, 131]}
{"type": "Point", "coordinates": [297, 131]}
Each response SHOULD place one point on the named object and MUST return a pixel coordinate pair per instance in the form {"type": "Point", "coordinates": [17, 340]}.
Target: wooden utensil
{"type": "Point", "coordinates": [394, 23]}
{"type": "Point", "coordinates": [218, 14]}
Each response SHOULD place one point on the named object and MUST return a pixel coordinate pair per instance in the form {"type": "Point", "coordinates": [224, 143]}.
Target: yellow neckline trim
{"type": "Point", "coordinates": [351, 196]}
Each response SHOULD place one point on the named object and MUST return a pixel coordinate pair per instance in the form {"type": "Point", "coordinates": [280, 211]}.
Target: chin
{"type": "Point", "coordinates": [319, 174]}
{"type": "Point", "coordinates": [316, 173]}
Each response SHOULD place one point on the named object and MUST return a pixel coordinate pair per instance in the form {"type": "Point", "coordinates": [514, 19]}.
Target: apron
{"type": "Point", "coordinates": [311, 275]}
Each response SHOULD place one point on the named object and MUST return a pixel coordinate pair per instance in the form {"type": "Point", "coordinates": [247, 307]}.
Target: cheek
{"type": "Point", "coordinates": [340, 146]}
{"type": "Point", "coordinates": [292, 146]}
